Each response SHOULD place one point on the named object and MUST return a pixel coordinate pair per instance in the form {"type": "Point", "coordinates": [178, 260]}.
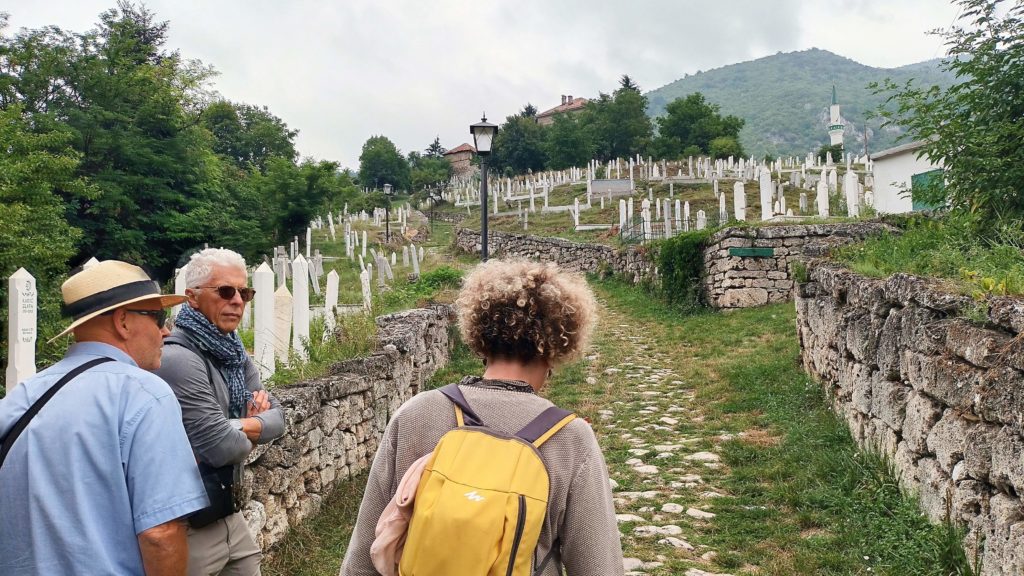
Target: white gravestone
{"type": "Point", "coordinates": [364, 244]}
{"type": "Point", "coordinates": [765, 183]}
{"type": "Point", "coordinates": [723, 210]}
{"type": "Point", "coordinates": [364, 282]}
{"type": "Point", "coordinates": [622, 214]}
{"type": "Point", "coordinates": [263, 330]}
{"type": "Point", "coordinates": [851, 188]}
{"type": "Point", "coordinates": [422, 254]}
{"type": "Point", "coordinates": [822, 197]}
{"type": "Point", "coordinates": [21, 327]}
{"type": "Point", "coordinates": [686, 216]}
{"type": "Point", "coordinates": [803, 202]}
{"type": "Point", "coordinates": [282, 324]}
{"type": "Point", "coordinates": [415, 260]}
{"type": "Point", "coordinates": [739, 201]}
{"type": "Point", "coordinates": [309, 241]}
{"type": "Point", "coordinates": [702, 220]}
{"type": "Point", "coordinates": [679, 215]}
{"type": "Point", "coordinates": [300, 306]}
{"type": "Point", "coordinates": [313, 279]}
{"type": "Point", "coordinates": [405, 256]}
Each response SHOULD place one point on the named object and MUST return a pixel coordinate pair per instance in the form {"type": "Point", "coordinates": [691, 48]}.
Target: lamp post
{"type": "Point", "coordinates": [483, 136]}
{"type": "Point", "coordinates": [387, 214]}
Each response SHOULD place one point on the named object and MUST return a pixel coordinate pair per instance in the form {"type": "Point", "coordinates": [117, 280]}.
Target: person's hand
{"type": "Point", "coordinates": [260, 403]}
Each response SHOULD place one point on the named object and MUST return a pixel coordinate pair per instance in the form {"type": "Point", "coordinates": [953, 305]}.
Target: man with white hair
{"type": "Point", "coordinates": [224, 407]}
{"type": "Point", "coordinates": [95, 468]}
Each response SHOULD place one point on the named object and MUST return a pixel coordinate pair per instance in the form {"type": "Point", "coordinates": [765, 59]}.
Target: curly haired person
{"type": "Point", "coordinates": [522, 318]}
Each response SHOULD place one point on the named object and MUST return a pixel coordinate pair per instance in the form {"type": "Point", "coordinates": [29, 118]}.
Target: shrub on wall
{"type": "Point", "coordinates": [681, 265]}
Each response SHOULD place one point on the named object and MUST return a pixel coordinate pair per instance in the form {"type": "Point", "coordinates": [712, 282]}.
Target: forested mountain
{"type": "Point", "coordinates": [784, 98]}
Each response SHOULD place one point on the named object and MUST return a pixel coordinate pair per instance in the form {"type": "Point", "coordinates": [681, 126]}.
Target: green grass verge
{"type": "Point", "coordinates": [944, 248]}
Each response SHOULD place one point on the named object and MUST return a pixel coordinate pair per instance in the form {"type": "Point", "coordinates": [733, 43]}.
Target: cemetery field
{"type": "Point", "coordinates": [723, 453]}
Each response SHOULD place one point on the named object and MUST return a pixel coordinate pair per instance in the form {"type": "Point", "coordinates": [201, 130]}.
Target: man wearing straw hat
{"type": "Point", "coordinates": [95, 468]}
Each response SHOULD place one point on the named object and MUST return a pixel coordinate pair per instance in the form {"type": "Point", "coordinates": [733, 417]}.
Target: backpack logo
{"type": "Point", "coordinates": [473, 496]}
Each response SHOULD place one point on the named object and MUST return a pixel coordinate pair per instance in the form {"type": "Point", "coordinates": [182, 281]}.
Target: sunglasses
{"type": "Point", "coordinates": [159, 316]}
{"type": "Point", "coordinates": [228, 292]}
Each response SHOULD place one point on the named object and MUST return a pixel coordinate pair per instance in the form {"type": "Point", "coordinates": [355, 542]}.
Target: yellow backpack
{"type": "Point", "coordinates": [482, 499]}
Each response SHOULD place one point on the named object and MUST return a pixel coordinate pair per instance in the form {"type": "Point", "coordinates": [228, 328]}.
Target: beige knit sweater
{"type": "Point", "coordinates": [580, 514]}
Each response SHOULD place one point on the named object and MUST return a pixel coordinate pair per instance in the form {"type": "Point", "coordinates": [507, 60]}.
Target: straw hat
{"type": "Point", "coordinates": [108, 285]}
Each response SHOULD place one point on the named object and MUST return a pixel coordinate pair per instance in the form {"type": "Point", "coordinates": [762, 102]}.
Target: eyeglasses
{"type": "Point", "coordinates": [159, 316]}
{"type": "Point", "coordinates": [228, 292]}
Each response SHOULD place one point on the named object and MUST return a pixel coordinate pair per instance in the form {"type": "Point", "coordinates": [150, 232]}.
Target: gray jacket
{"type": "Point", "coordinates": [204, 404]}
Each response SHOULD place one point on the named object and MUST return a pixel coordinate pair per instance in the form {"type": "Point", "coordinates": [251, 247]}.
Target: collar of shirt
{"type": "Point", "coordinates": [99, 349]}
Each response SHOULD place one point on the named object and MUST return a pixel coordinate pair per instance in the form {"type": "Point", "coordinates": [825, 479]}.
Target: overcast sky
{"type": "Point", "coordinates": [343, 71]}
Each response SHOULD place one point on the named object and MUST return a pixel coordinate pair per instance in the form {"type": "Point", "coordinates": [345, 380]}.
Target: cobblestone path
{"type": "Point", "coordinates": [661, 458]}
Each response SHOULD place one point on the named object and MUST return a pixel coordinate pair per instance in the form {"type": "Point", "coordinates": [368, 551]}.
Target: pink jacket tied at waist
{"type": "Point", "coordinates": [386, 550]}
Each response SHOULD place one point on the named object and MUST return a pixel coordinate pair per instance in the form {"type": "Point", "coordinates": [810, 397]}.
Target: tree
{"type": "Point", "coordinates": [36, 166]}
{"type": "Point", "coordinates": [529, 111]}
{"type": "Point", "coordinates": [692, 121]}
{"type": "Point", "coordinates": [973, 128]}
{"type": "Point", "coordinates": [724, 147]}
{"type": "Point", "coordinates": [435, 150]}
{"type": "Point", "coordinates": [566, 143]}
{"type": "Point", "coordinates": [618, 125]}
{"type": "Point", "coordinates": [518, 147]}
{"type": "Point", "coordinates": [381, 163]}
{"type": "Point", "coordinates": [248, 135]}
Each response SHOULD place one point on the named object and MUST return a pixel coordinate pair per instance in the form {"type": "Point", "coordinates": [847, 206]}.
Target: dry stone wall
{"type": "Point", "coordinates": [633, 261]}
{"type": "Point", "coordinates": [739, 277]}
{"type": "Point", "coordinates": [940, 395]}
{"type": "Point", "coordinates": [334, 423]}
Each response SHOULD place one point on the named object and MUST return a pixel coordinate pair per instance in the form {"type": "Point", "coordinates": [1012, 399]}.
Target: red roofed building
{"type": "Point", "coordinates": [569, 104]}
{"type": "Point", "coordinates": [459, 157]}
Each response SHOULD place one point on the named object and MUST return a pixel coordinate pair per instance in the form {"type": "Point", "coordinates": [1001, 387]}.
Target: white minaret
{"type": "Point", "coordinates": [835, 122]}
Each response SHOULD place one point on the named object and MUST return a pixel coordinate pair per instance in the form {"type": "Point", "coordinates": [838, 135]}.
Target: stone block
{"type": "Point", "coordinates": [1007, 313]}
{"type": "Point", "coordinates": [947, 440]}
{"type": "Point", "coordinates": [1002, 542]}
{"type": "Point", "coordinates": [946, 379]}
{"type": "Point", "coordinates": [889, 401]}
{"type": "Point", "coordinates": [905, 463]}
{"type": "Point", "coordinates": [970, 500]}
{"type": "Point", "coordinates": [978, 346]}
{"type": "Point", "coordinates": [936, 490]}
{"type": "Point", "coordinates": [1008, 461]}
{"type": "Point", "coordinates": [744, 298]}
{"type": "Point", "coordinates": [978, 450]}
{"type": "Point", "coordinates": [889, 345]}
{"type": "Point", "coordinates": [921, 415]}
{"type": "Point", "coordinates": [923, 330]}
{"type": "Point", "coordinates": [862, 332]}
{"type": "Point", "coordinates": [999, 395]}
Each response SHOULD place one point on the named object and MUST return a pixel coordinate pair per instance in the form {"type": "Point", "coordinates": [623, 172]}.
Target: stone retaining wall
{"type": "Point", "coordinates": [334, 423]}
{"type": "Point", "coordinates": [744, 281]}
{"type": "Point", "coordinates": [940, 395]}
{"type": "Point", "coordinates": [573, 256]}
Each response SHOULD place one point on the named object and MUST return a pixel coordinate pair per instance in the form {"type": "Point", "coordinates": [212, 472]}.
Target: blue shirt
{"type": "Point", "coordinates": [106, 459]}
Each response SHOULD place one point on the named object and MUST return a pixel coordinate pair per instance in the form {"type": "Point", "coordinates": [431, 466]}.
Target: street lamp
{"type": "Point", "coordinates": [387, 214]}
{"type": "Point", "coordinates": [483, 136]}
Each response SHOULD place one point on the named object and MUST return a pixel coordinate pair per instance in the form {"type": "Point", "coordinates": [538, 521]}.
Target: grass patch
{"type": "Point", "coordinates": [317, 546]}
{"type": "Point", "coordinates": [944, 248]}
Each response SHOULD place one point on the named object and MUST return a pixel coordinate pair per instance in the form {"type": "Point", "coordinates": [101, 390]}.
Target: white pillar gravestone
{"type": "Point", "coordinates": [282, 323]}
{"type": "Point", "coordinates": [263, 311]}
{"type": "Point", "coordinates": [21, 327]}
{"type": "Point", "coordinates": [300, 306]}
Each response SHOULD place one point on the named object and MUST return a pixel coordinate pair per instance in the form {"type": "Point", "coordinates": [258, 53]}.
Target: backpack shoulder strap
{"type": "Point", "coordinates": [174, 340]}
{"type": "Point", "coordinates": [34, 409]}
{"type": "Point", "coordinates": [464, 414]}
{"type": "Point", "coordinates": [545, 425]}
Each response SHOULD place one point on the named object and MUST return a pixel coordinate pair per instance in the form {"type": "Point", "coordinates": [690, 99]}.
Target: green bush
{"type": "Point", "coordinates": [681, 266]}
{"type": "Point", "coordinates": [441, 277]}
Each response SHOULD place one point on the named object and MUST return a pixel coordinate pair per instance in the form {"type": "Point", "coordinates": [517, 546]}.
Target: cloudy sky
{"type": "Point", "coordinates": [342, 71]}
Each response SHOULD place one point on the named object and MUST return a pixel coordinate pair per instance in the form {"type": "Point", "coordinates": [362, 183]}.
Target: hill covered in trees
{"type": "Point", "coordinates": [784, 98]}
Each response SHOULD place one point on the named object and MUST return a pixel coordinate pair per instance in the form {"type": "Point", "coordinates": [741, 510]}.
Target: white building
{"type": "Point", "coordinates": [895, 172]}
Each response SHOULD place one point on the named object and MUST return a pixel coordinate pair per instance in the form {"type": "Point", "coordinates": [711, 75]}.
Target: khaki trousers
{"type": "Point", "coordinates": [223, 548]}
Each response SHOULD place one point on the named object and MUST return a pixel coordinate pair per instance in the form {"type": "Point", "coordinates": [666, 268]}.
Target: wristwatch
{"type": "Point", "coordinates": [236, 424]}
